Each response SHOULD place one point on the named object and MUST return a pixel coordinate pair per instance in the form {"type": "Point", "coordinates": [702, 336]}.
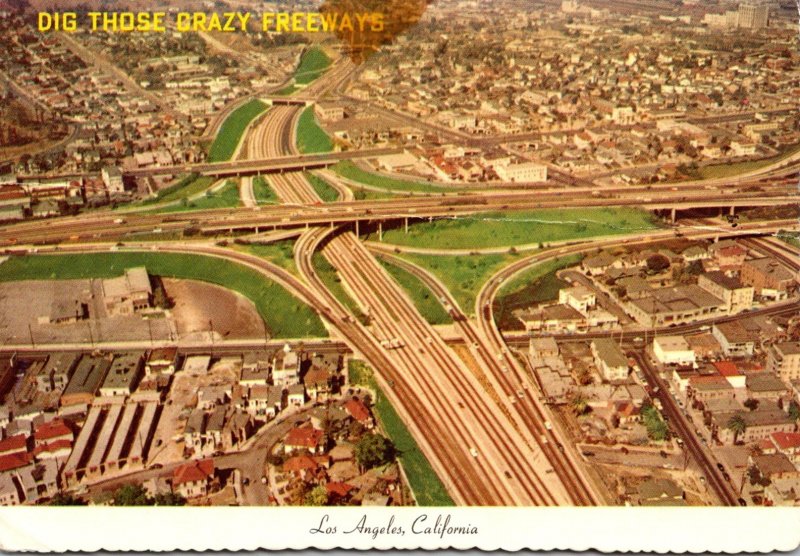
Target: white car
{"type": "Point", "coordinates": [548, 425]}
{"type": "Point", "coordinates": [473, 452]}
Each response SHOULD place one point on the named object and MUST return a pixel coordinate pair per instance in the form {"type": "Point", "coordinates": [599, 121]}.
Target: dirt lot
{"type": "Point", "coordinates": [233, 315]}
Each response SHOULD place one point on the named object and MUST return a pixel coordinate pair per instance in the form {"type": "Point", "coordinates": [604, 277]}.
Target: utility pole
{"type": "Point", "coordinates": [211, 326]}
{"type": "Point", "coordinates": [30, 331]}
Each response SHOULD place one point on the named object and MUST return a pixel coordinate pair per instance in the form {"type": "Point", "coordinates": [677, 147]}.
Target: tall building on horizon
{"type": "Point", "coordinates": [753, 14]}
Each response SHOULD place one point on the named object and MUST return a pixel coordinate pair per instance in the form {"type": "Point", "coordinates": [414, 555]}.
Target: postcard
{"type": "Point", "coordinates": [493, 274]}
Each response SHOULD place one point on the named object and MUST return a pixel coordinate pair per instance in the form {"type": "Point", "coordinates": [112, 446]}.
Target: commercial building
{"type": "Point", "coordinates": [123, 376]}
{"type": "Point", "coordinates": [86, 380]}
{"type": "Point", "coordinates": [768, 277]}
{"type": "Point", "coordinates": [673, 350]}
{"type": "Point", "coordinates": [753, 14]}
{"type": "Point", "coordinates": [112, 178]}
{"type": "Point", "coordinates": [737, 296]}
{"type": "Point", "coordinates": [579, 298]}
{"type": "Point", "coordinates": [675, 305]}
{"type": "Point", "coordinates": [522, 172]}
{"type": "Point", "coordinates": [128, 293]}
{"type": "Point", "coordinates": [784, 360]}
{"type": "Point", "coordinates": [734, 338]}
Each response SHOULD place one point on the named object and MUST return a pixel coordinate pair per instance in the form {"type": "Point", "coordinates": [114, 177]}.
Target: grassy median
{"type": "Point", "coordinates": [226, 196]}
{"type": "Point", "coordinates": [325, 190]}
{"type": "Point", "coordinates": [349, 170]}
{"type": "Point", "coordinates": [310, 137]}
{"type": "Point", "coordinates": [263, 193]}
{"type": "Point", "coordinates": [497, 229]}
{"type": "Point", "coordinates": [285, 316]}
{"type": "Point", "coordinates": [427, 487]}
{"type": "Point", "coordinates": [232, 129]}
{"type": "Point", "coordinates": [424, 299]}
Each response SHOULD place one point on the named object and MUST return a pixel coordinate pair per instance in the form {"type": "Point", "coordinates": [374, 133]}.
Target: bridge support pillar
{"type": "Point", "coordinates": [358, 234]}
{"type": "Point", "coordinates": [256, 229]}
{"type": "Point", "coordinates": [732, 211]}
{"type": "Point", "coordinates": [674, 211]}
{"type": "Point", "coordinates": [406, 224]}
{"type": "Point", "coordinates": [380, 231]}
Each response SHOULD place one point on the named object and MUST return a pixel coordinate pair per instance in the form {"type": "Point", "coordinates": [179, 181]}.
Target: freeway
{"type": "Point", "coordinates": [421, 397]}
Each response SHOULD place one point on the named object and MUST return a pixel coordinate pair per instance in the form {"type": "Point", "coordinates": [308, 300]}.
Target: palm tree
{"type": "Point", "coordinates": [737, 425]}
{"type": "Point", "coordinates": [579, 404]}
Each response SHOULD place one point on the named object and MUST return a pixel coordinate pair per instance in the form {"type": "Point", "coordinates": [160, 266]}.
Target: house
{"type": "Point", "coordinates": [766, 386]}
{"type": "Point", "coordinates": [553, 318]}
{"type": "Point", "coordinates": [112, 178]}
{"type": "Point", "coordinates": [598, 264]}
{"type": "Point", "coordinates": [161, 361]}
{"type": "Point", "coordinates": [129, 293]}
{"type": "Point", "coordinates": [52, 431]}
{"type": "Point", "coordinates": [359, 412]}
{"type": "Point", "coordinates": [317, 382]}
{"type": "Point", "coordinates": [14, 445]}
{"type": "Point", "coordinates": [286, 368]}
{"type": "Point", "coordinates": [759, 424]}
{"type": "Point", "coordinates": [735, 340]}
{"type": "Point", "coordinates": [255, 369]}
{"type": "Point", "coordinates": [194, 429]}
{"type": "Point", "coordinates": [737, 296]}
{"type": "Point", "coordinates": [579, 298]}
{"type": "Point", "coordinates": [296, 395]}
{"type": "Point", "coordinates": [38, 481]}
{"type": "Point", "coordinates": [728, 254]}
{"type": "Point", "coordinates": [673, 350]}
{"type": "Point", "coordinates": [768, 277]}
{"type": "Point", "coordinates": [610, 360]}
{"type": "Point", "coordinates": [193, 479]}
{"type": "Point", "coordinates": [304, 439]}
{"type": "Point", "coordinates": [709, 387]}
{"type": "Point", "coordinates": [210, 397]}
{"type": "Point", "coordinates": [9, 494]}
{"type": "Point", "coordinates": [783, 359]}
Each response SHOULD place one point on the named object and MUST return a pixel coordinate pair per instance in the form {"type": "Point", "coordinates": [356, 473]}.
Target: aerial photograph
{"type": "Point", "coordinates": [400, 253]}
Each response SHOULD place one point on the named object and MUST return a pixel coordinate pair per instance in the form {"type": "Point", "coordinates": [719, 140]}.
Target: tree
{"type": "Point", "coordinates": [131, 495]}
{"type": "Point", "coordinates": [169, 499]}
{"type": "Point", "coordinates": [794, 410]}
{"type": "Point", "coordinates": [751, 404]}
{"type": "Point", "coordinates": [737, 425]}
{"type": "Point", "coordinates": [317, 496]}
{"type": "Point", "coordinates": [579, 404]}
{"type": "Point", "coordinates": [657, 263]}
{"type": "Point", "coordinates": [66, 499]}
{"type": "Point", "coordinates": [374, 450]}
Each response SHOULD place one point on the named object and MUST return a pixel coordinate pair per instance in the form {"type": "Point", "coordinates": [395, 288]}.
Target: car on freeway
{"type": "Point", "coordinates": [473, 452]}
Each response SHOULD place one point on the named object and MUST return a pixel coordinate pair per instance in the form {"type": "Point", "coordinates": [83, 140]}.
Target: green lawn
{"type": "Point", "coordinates": [333, 283]}
{"type": "Point", "coordinates": [288, 90]}
{"type": "Point", "coordinates": [727, 170]}
{"type": "Point", "coordinates": [263, 193]}
{"type": "Point", "coordinates": [424, 299]}
{"type": "Point", "coordinates": [310, 137]}
{"type": "Point", "coordinates": [225, 197]}
{"type": "Point", "coordinates": [284, 315]}
{"type": "Point", "coordinates": [325, 190]}
{"type": "Point", "coordinates": [279, 252]}
{"type": "Point", "coordinates": [496, 229]}
{"type": "Point", "coordinates": [463, 275]}
{"type": "Point", "coordinates": [313, 63]}
{"type": "Point", "coordinates": [534, 285]}
{"type": "Point", "coordinates": [348, 169]}
{"type": "Point", "coordinates": [230, 133]}
{"type": "Point", "coordinates": [426, 485]}
{"type": "Point", "coordinates": [791, 239]}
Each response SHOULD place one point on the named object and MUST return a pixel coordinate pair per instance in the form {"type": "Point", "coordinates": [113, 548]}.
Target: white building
{"type": "Point", "coordinates": [673, 350]}
{"type": "Point", "coordinates": [522, 172]}
{"type": "Point", "coordinates": [579, 298]}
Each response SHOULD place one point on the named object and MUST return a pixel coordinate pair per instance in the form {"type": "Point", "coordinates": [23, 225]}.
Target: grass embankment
{"type": "Point", "coordinates": [793, 240]}
{"type": "Point", "coordinates": [424, 299]}
{"type": "Point", "coordinates": [426, 485]}
{"type": "Point", "coordinates": [186, 187]}
{"type": "Point", "coordinates": [325, 190]}
{"type": "Point", "coordinates": [231, 131]}
{"type": "Point", "coordinates": [333, 283]}
{"type": "Point", "coordinates": [728, 170]}
{"type": "Point", "coordinates": [463, 275]}
{"type": "Point", "coordinates": [310, 137]}
{"type": "Point", "coordinates": [535, 285]}
{"type": "Point", "coordinates": [313, 63]}
{"type": "Point", "coordinates": [496, 229]}
{"type": "Point", "coordinates": [225, 197]}
{"type": "Point", "coordinates": [263, 193]}
{"type": "Point", "coordinates": [284, 315]}
{"type": "Point", "coordinates": [279, 252]}
{"type": "Point", "coordinates": [348, 169]}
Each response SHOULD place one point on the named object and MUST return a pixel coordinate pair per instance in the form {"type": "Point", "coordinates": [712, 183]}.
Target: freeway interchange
{"type": "Point", "coordinates": [491, 442]}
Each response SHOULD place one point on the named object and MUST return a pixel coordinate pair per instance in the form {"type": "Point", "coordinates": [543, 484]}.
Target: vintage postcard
{"type": "Point", "coordinates": [495, 274]}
